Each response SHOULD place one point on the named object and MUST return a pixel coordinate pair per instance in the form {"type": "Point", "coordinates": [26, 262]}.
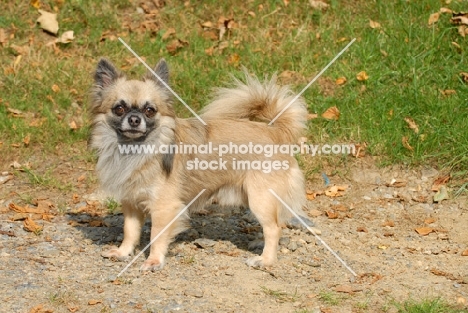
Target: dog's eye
{"type": "Point", "coordinates": [149, 112]}
{"type": "Point", "coordinates": [119, 110]}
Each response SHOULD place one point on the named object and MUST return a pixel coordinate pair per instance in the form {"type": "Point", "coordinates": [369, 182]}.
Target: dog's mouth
{"type": "Point", "coordinates": [132, 133]}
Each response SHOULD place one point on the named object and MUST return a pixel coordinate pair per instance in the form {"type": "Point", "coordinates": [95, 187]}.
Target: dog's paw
{"type": "Point", "coordinates": [115, 253]}
{"type": "Point", "coordinates": [257, 261]}
{"type": "Point", "coordinates": [152, 265]}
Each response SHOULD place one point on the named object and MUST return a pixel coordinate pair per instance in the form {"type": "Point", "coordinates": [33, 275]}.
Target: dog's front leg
{"type": "Point", "coordinates": [160, 219]}
{"type": "Point", "coordinates": [133, 222]}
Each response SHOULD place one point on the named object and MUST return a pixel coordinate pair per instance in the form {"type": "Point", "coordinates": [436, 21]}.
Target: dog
{"type": "Point", "coordinates": [140, 113]}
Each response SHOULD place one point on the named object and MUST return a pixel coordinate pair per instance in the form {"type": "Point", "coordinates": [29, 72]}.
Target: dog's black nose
{"type": "Point", "coordinates": [134, 120]}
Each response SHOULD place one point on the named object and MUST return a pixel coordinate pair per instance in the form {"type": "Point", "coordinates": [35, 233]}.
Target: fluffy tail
{"type": "Point", "coordinates": [259, 101]}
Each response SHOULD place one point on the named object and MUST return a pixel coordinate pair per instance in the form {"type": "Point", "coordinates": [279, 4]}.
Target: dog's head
{"type": "Point", "coordinates": [134, 109]}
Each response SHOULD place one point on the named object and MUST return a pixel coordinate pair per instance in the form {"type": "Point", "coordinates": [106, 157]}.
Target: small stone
{"type": "Point", "coordinates": [205, 243]}
{"type": "Point", "coordinates": [284, 250]}
{"type": "Point", "coordinates": [457, 285]}
{"type": "Point", "coordinates": [429, 172]}
{"type": "Point", "coordinates": [284, 241]}
{"type": "Point", "coordinates": [292, 246]}
{"type": "Point", "coordinates": [197, 293]}
{"type": "Point", "coordinates": [256, 244]}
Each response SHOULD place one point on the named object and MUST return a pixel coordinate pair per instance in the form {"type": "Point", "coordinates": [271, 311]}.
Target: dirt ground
{"type": "Point", "coordinates": [384, 225]}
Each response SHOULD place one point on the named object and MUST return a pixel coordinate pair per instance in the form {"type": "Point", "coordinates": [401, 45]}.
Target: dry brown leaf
{"type": "Point", "coordinates": [207, 24]}
{"type": "Point", "coordinates": [460, 18]}
{"type": "Point", "coordinates": [94, 302]}
{"type": "Point", "coordinates": [26, 140]}
{"type": "Point", "coordinates": [463, 30]}
{"type": "Point", "coordinates": [234, 59]}
{"type": "Point", "coordinates": [440, 181]}
{"type": "Point", "coordinates": [344, 288]}
{"type": "Point", "coordinates": [388, 223]}
{"type": "Point", "coordinates": [448, 92]}
{"type": "Point", "coordinates": [445, 10]}
{"type": "Point", "coordinates": [66, 37]}
{"type": "Point", "coordinates": [31, 226]}
{"type": "Point", "coordinates": [336, 191]}
{"type": "Point", "coordinates": [55, 88]}
{"type": "Point", "coordinates": [175, 45]}
{"type": "Point", "coordinates": [36, 3]}
{"type": "Point", "coordinates": [20, 209]}
{"type": "Point", "coordinates": [412, 124]}
{"type": "Point", "coordinates": [331, 214]}
{"type": "Point", "coordinates": [331, 113]}
{"type": "Point", "coordinates": [315, 213]}
{"type": "Point", "coordinates": [374, 24]}
{"type": "Point", "coordinates": [404, 141]}
{"type": "Point", "coordinates": [312, 116]}
{"type": "Point", "coordinates": [433, 18]}
{"type": "Point", "coordinates": [3, 37]}
{"type": "Point", "coordinates": [48, 22]}
{"type": "Point", "coordinates": [423, 231]}
{"type": "Point", "coordinates": [73, 125]}
{"type": "Point", "coordinates": [40, 309]}
{"type": "Point", "coordinates": [340, 81]}
{"type": "Point", "coordinates": [20, 50]}
{"type": "Point", "coordinates": [169, 32]}
{"type": "Point", "coordinates": [318, 5]}
{"type": "Point", "coordinates": [464, 76]}
{"type": "Point", "coordinates": [362, 76]}
{"type": "Point", "coordinates": [430, 220]}
{"type": "Point", "coordinates": [361, 229]}
{"type": "Point", "coordinates": [465, 253]}
{"type": "Point", "coordinates": [95, 223]}
{"type": "Point", "coordinates": [398, 183]}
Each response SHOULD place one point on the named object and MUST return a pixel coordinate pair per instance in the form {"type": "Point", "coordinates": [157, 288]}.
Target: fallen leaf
{"type": "Point", "coordinates": [441, 180]}
{"type": "Point", "coordinates": [311, 116]}
{"type": "Point", "coordinates": [40, 309]}
{"type": "Point", "coordinates": [66, 37]}
{"type": "Point", "coordinates": [73, 125]}
{"type": "Point", "coordinates": [433, 18]}
{"type": "Point", "coordinates": [344, 288]}
{"type": "Point", "coordinates": [445, 10]}
{"type": "Point", "coordinates": [15, 112]}
{"type": "Point", "coordinates": [404, 141]}
{"type": "Point", "coordinates": [3, 37]}
{"type": "Point", "coordinates": [315, 213]}
{"type": "Point", "coordinates": [465, 253]}
{"type": "Point", "coordinates": [331, 113]}
{"type": "Point", "coordinates": [374, 24]}
{"type": "Point", "coordinates": [31, 226]}
{"type": "Point", "coordinates": [174, 46]}
{"type": "Point", "coordinates": [234, 59]}
{"type": "Point", "coordinates": [362, 76]}
{"type": "Point", "coordinates": [397, 183]}
{"type": "Point", "coordinates": [442, 194]}
{"type": "Point", "coordinates": [95, 223]}
{"type": "Point", "coordinates": [361, 229]}
{"type": "Point", "coordinates": [48, 22]}
{"type": "Point", "coordinates": [318, 5]}
{"type": "Point", "coordinates": [331, 214]}
{"type": "Point", "coordinates": [339, 207]}
{"type": "Point", "coordinates": [94, 302]}
{"type": "Point", "coordinates": [340, 81]}
{"type": "Point", "coordinates": [55, 88]}
{"type": "Point", "coordinates": [448, 92]}
{"type": "Point", "coordinates": [459, 18]}
{"type": "Point", "coordinates": [464, 76]}
{"type": "Point", "coordinates": [26, 140]}
{"type": "Point", "coordinates": [169, 32]}
{"type": "Point", "coordinates": [412, 124]}
{"type": "Point", "coordinates": [388, 223]}
{"type": "Point", "coordinates": [423, 231]}
{"type": "Point", "coordinates": [430, 220]}
{"type": "Point", "coordinates": [207, 24]}
{"type": "Point", "coordinates": [463, 30]}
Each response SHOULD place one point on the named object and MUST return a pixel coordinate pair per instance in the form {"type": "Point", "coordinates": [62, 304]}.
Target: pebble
{"type": "Point", "coordinates": [292, 246]}
{"type": "Point", "coordinates": [197, 293]}
{"type": "Point", "coordinates": [205, 243]}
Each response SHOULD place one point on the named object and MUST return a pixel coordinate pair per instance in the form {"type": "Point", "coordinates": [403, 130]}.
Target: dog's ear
{"type": "Point", "coordinates": [105, 74]}
{"type": "Point", "coordinates": [162, 71]}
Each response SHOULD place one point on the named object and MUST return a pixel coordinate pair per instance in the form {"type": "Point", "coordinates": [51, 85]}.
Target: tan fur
{"type": "Point", "coordinates": [144, 185]}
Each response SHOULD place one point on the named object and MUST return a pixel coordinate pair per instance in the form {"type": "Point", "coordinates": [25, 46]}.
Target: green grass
{"type": "Point", "coordinates": [408, 63]}
{"type": "Point", "coordinates": [279, 295]}
{"type": "Point", "coordinates": [427, 306]}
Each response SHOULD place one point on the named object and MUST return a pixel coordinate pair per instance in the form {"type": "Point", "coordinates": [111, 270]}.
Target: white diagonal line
{"type": "Point", "coordinates": [160, 233]}
{"type": "Point", "coordinates": [312, 81]}
{"type": "Point", "coordinates": [162, 81]}
{"type": "Point", "coordinates": [313, 233]}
